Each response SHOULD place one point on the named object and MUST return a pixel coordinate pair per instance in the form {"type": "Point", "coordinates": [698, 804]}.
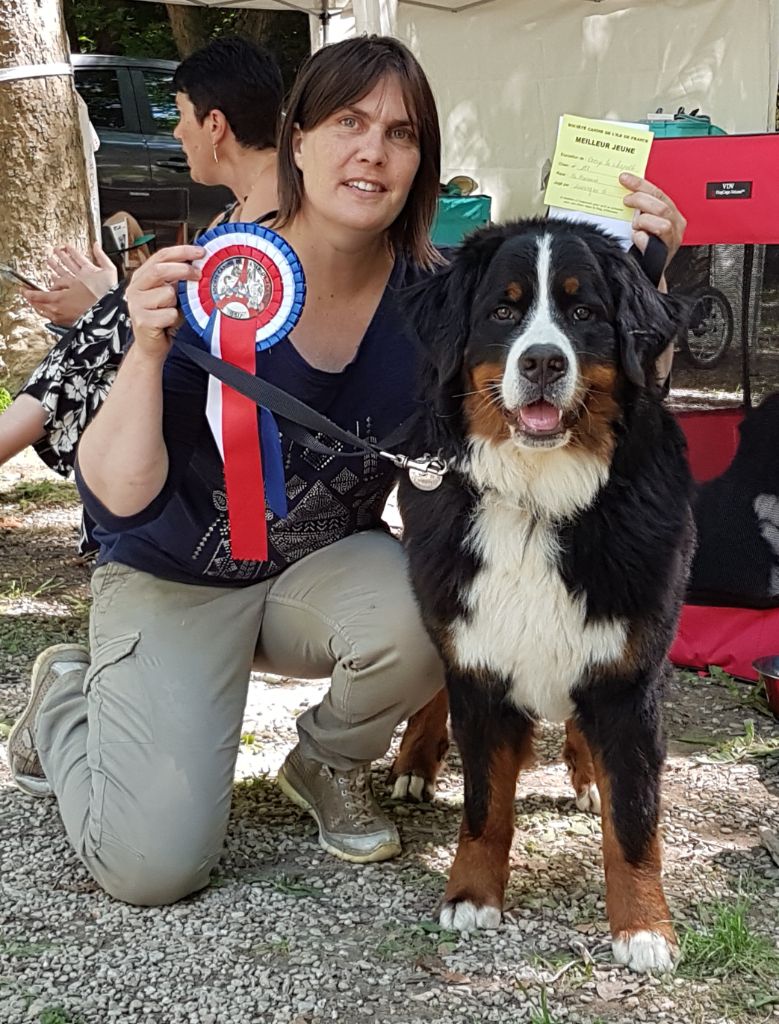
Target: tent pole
{"type": "Point", "coordinates": [325, 17]}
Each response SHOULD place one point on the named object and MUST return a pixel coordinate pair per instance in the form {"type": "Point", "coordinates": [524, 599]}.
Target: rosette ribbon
{"type": "Point", "coordinates": [250, 296]}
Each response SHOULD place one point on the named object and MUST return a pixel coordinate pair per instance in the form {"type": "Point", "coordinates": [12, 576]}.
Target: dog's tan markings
{"type": "Point", "coordinates": [481, 868]}
{"type": "Point", "coordinates": [634, 892]}
{"type": "Point", "coordinates": [514, 291]}
{"type": "Point", "coordinates": [578, 757]}
{"type": "Point", "coordinates": [571, 285]}
{"type": "Point", "coordinates": [594, 428]}
{"type": "Point", "coordinates": [425, 741]}
{"type": "Point", "coordinates": [482, 405]}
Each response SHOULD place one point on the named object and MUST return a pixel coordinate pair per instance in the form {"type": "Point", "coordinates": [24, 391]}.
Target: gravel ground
{"type": "Point", "coordinates": [288, 935]}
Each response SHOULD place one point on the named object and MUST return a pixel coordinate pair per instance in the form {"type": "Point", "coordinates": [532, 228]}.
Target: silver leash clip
{"type": "Point", "coordinates": [426, 473]}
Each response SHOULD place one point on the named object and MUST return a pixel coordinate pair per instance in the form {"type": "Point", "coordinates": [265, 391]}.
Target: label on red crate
{"type": "Point", "coordinates": [728, 189]}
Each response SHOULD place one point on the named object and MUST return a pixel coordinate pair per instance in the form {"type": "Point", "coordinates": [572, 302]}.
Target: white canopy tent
{"type": "Point", "coordinates": [503, 71]}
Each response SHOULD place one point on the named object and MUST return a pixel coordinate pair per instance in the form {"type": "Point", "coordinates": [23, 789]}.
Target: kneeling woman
{"type": "Point", "coordinates": [138, 739]}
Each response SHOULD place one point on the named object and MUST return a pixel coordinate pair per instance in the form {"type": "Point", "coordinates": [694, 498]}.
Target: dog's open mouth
{"type": "Point", "coordinates": [539, 424]}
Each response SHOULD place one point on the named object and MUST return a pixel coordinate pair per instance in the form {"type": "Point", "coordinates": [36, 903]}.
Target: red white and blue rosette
{"type": "Point", "coordinates": [249, 296]}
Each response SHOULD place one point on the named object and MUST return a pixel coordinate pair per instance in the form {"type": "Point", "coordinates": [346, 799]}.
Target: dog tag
{"type": "Point", "coordinates": [426, 478]}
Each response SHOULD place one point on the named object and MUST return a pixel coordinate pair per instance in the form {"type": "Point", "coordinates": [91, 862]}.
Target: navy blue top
{"type": "Point", "coordinates": [182, 535]}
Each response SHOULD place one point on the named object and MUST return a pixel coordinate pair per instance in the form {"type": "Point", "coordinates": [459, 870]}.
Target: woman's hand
{"type": "Point", "coordinates": [76, 283]}
{"type": "Point", "coordinates": [99, 277]}
{"type": "Point", "coordinates": [152, 297]}
{"type": "Point", "coordinates": [654, 214]}
{"type": "Point", "coordinates": [64, 303]}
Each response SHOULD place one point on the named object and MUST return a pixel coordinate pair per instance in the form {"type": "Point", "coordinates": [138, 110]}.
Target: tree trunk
{"type": "Point", "coordinates": [43, 184]}
{"type": "Point", "coordinates": [188, 28]}
{"type": "Point", "coordinates": [254, 25]}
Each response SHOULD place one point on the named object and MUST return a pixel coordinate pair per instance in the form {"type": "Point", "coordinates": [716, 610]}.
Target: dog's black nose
{"type": "Point", "coordinates": [543, 364]}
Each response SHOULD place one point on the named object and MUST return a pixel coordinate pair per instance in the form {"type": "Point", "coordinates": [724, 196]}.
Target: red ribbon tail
{"type": "Point", "coordinates": [242, 453]}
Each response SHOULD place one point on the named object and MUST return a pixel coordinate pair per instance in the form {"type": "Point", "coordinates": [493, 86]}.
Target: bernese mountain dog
{"type": "Point", "coordinates": [550, 564]}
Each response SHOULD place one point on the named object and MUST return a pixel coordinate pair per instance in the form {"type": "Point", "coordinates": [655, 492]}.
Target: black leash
{"type": "Point", "coordinates": [299, 420]}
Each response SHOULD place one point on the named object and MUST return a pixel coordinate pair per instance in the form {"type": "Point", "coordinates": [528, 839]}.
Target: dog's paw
{"type": "Point", "coordinates": [464, 916]}
{"type": "Point", "coordinates": [644, 951]}
{"type": "Point", "coordinates": [589, 799]}
{"type": "Point", "coordinates": [414, 788]}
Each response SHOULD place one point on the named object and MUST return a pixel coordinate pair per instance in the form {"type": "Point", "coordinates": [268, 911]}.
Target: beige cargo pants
{"type": "Point", "coordinates": [140, 751]}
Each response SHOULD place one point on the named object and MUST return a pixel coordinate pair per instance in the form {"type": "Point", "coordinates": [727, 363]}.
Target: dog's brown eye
{"type": "Point", "coordinates": [582, 313]}
{"type": "Point", "coordinates": [502, 313]}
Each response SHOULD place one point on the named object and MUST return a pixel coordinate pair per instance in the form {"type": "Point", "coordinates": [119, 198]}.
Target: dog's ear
{"type": "Point", "coordinates": [646, 320]}
{"type": "Point", "coordinates": [438, 316]}
{"type": "Point", "coordinates": [439, 308]}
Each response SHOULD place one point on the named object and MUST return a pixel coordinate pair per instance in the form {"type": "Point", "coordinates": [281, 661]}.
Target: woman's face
{"type": "Point", "coordinates": [358, 165]}
{"type": "Point", "coordinates": [196, 141]}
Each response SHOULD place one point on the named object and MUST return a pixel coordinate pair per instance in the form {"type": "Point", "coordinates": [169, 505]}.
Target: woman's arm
{"type": "Point", "coordinates": [21, 424]}
{"type": "Point", "coordinates": [122, 455]}
{"type": "Point", "coordinates": [654, 213]}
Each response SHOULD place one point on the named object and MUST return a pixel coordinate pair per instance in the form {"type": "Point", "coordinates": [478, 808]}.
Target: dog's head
{"type": "Point", "coordinates": [541, 332]}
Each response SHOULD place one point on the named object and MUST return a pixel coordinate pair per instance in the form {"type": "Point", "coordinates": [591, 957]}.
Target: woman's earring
{"type": "Point", "coordinates": [216, 158]}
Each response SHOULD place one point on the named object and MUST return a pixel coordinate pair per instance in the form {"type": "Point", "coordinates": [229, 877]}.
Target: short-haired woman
{"type": "Point", "coordinates": [229, 97]}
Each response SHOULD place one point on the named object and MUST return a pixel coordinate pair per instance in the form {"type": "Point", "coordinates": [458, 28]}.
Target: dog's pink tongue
{"type": "Point", "coordinates": [540, 416]}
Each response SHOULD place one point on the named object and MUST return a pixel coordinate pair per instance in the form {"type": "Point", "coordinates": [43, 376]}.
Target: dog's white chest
{"type": "Point", "coordinates": [523, 625]}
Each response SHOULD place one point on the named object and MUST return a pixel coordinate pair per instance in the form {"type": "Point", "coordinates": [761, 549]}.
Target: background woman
{"type": "Point", "coordinates": [229, 100]}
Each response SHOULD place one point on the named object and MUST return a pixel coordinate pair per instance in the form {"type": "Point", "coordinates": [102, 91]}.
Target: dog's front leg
{"type": "Point", "coordinates": [628, 752]}
{"type": "Point", "coordinates": [495, 740]}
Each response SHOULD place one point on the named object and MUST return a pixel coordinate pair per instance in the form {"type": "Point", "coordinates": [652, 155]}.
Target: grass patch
{"type": "Point", "coordinates": [748, 695]}
{"type": "Point", "coordinates": [542, 1014]}
{"type": "Point", "coordinates": [21, 590]}
{"type": "Point", "coordinates": [259, 782]}
{"type": "Point", "coordinates": [26, 635]}
{"type": "Point", "coordinates": [20, 949]}
{"type": "Point", "coordinates": [57, 1015]}
{"type": "Point", "coordinates": [751, 744]}
{"type": "Point", "coordinates": [280, 948]}
{"type": "Point", "coordinates": [29, 494]}
{"type": "Point", "coordinates": [416, 940]}
{"type": "Point", "coordinates": [725, 945]}
{"type": "Point", "coordinates": [292, 886]}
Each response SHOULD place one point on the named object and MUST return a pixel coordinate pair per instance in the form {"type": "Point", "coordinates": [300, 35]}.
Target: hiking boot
{"type": "Point", "coordinates": [22, 755]}
{"type": "Point", "coordinates": [351, 823]}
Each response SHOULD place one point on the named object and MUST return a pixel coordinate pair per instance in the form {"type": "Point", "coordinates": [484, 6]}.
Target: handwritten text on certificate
{"type": "Point", "coordinates": [588, 159]}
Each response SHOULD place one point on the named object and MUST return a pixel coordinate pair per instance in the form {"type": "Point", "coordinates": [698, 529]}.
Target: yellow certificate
{"type": "Point", "coordinates": [588, 159]}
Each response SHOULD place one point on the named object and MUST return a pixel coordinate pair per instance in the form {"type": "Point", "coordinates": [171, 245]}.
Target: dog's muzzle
{"type": "Point", "coordinates": [543, 392]}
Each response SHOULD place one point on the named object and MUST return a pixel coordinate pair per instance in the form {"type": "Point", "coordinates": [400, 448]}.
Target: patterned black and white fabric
{"type": "Point", "coordinates": [71, 383]}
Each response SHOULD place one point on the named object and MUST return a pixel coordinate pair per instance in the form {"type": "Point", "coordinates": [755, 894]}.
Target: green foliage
{"type": "Point", "coordinates": [120, 26]}
{"type": "Point", "coordinates": [725, 946]}
{"type": "Point", "coordinates": [21, 948]}
{"type": "Point", "coordinates": [542, 1015]}
{"type": "Point", "coordinates": [131, 29]}
{"type": "Point", "coordinates": [57, 1015]}
{"type": "Point", "coordinates": [751, 744]}
{"type": "Point", "coordinates": [415, 940]}
{"type": "Point", "coordinates": [5, 398]}
{"type": "Point", "coordinates": [29, 494]}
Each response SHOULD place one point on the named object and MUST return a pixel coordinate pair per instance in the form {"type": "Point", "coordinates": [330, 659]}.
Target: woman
{"type": "Point", "coordinates": [138, 739]}
{"type": "Point", "coordinates": [229, 98]}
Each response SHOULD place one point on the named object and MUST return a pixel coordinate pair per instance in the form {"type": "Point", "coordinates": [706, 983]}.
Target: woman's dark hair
{"type": "Point", "coordinates": [240, 79]}
{"type": "Point", "coordinates": [339, 75]}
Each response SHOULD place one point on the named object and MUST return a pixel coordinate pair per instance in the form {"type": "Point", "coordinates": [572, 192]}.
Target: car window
{"type": "Point", "coordinates": [162, 100]}
{"type": "Point", "coordinates": [100, 91]}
